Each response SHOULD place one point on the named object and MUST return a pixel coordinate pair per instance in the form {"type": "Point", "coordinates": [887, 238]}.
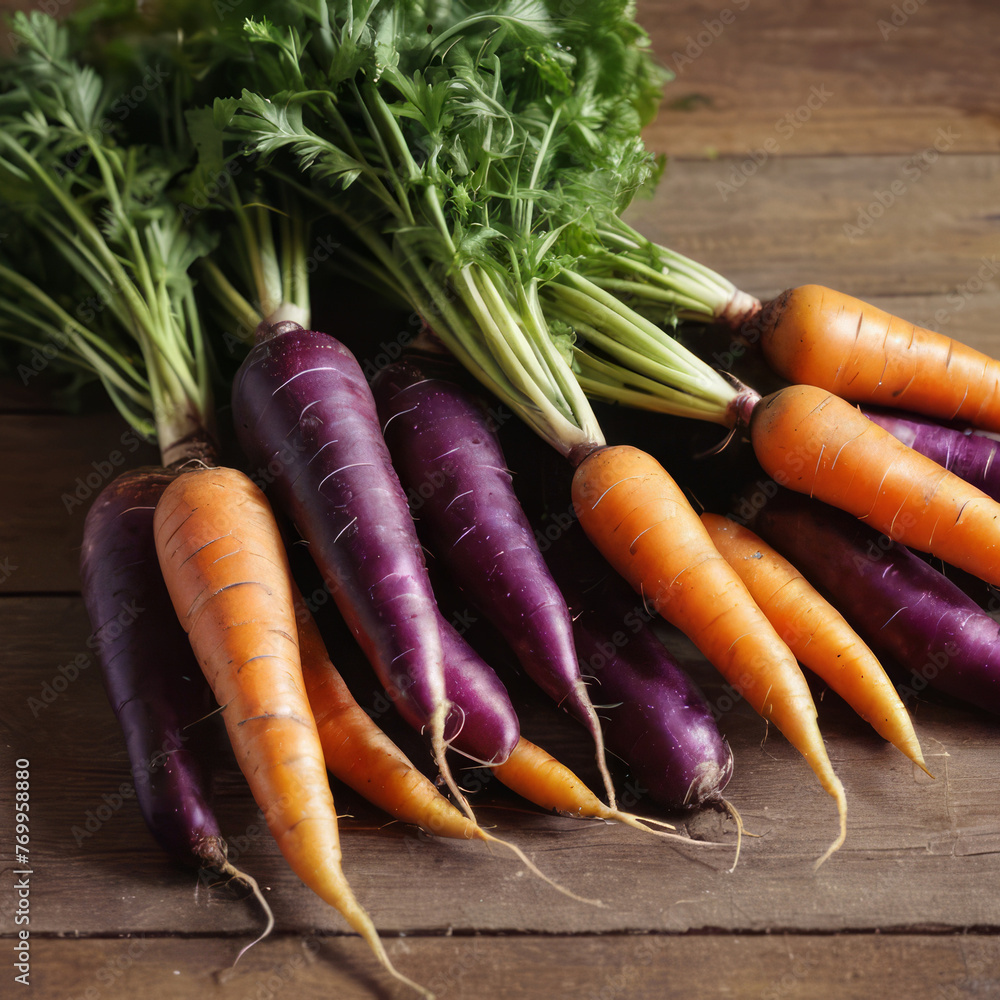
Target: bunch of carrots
{"type": "Point", "coordinates": [532, 295]}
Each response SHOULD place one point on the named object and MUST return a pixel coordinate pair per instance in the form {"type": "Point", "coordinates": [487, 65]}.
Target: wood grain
{"type": "Point", "coordinates": [908, 907]}
{"type": "Point", "coordinates": [867, 76]}
{"type": "Point", "coordinates": [51, 468]}
{"type": "Point", "coordinates": [606, 967]}
{"type": "Point", "coordinates": [875, 227]}
{"type": "Point", "coordinates": [917, 853]}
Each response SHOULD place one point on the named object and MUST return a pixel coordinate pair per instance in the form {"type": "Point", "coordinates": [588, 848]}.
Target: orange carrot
{"type": "Point", "coordinates": [537, 776]}
{"type": "Point", "coordinates": [222, 558]}
{"type": "Point", "coordinates": [641, 521]}
{"type": "Point", "coordinates": [816, 443]}
{"type": "Point", "coordinates": [816, 632]}
{"type": "Point", "coordinates": [825, 338]}
{"type": "Point", "coordinates": [360, 754]}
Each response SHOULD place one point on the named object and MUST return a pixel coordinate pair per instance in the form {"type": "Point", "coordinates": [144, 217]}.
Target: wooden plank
{"type": "Point", "coordinates": [918, 853]}
{"type": "Point", "coordinates": [818, 219]}
{"type": "Point", "coordinates": [863, 76]}
{"type": "Point", "coordinates": [51, 468]}
{"type": "Point", "coordinates": [606, 967]}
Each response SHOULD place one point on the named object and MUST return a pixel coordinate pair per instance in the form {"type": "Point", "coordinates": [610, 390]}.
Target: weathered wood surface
{"type": "Point", "coordinates": [604, 967]}
{"type": "Point", "coordinates": [868, 76]}
{"type": "Point", "coordinates": [875, 227]}
{"type": "Point", "coordinates": [918, 853]}
{"type": "Point", "coordinates": [909, 906]}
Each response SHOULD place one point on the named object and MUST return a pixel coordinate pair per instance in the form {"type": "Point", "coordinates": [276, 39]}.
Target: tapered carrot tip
{"type": "Point", "coordinates": [913, 751]}
{"type": "Point", "coordinates": [836, 789]}
{"type": "Point", "coordinates": [538, 777]}
{"type": "Point", "coordinates": [359, 920]}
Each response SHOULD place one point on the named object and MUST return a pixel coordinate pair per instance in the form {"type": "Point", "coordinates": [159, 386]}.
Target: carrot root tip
{"type": "Point", "coordinates": [439, 747]}
{"type": "Point", "coordinates": [738, 820]}
{"type": "Point", "coordinates": [535, 870]}
{"type": "Point", "coordinates": [229, 869]}
{"type": "Point", "coordinates": [594, 725]}
{"type": "Point", "coordinates": [842, 835]}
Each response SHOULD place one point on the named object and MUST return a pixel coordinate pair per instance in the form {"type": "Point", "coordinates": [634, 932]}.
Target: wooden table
{"type": "Point", "coordinates": [853, 144]}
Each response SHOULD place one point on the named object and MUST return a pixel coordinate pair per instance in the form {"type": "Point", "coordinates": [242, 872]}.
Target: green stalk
{"type": "Point", "coordinates": [568, 385]}
{"type": "Point", "coordinates": [602, 317]}
{"type": "Point", "coordinates": [369, 177]}
{"type": "Point", "coordinates": [701, 299]}
{"type": "Point", "coordinates": [613, 383]}
{"type": "Point", "coordinates": [687, 308]}
{"type": "Point", "coordinates": [138, 303]}
{"type": "Point", "coordinates": [380, 141]}
{"type": "Point", "coordinates": [99, 355]}
{"type": "Point", "coordinates": [180, 410]}
{"type": "Point", "coordinates": [524, 371]}
{"type": "Point", "coordinates": [525, 226]}
{"type": "Point", "coordinates": [294, 267]}
{"type": "Point", "coordinates": [224, 292]}
{"type": "Point", "coordinates": [462, 332]}
{"type": "Point", "coordinates": [715, 296]}
{"type": "Point", "coordinates": [503, 327]}
{"type": "Point", "coordinates": [84, 226]}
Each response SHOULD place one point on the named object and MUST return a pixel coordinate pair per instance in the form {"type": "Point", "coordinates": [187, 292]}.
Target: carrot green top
{"type": "Point", "coordinates": [97, 274]}
{"type": "Point", "coordinates": [479, 159]}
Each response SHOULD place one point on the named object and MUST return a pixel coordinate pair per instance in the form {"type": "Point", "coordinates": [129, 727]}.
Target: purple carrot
{"type": "Point", "coordinates": [303, 412]}
{"type": "Point", "coordinates": [152, 679]}
{"type": "Point", "coordinates": [973, 456]}
{"type": "Point", "coordinates": [483, 724]}
{"type": "Point", "coordinates": [654, 716]}
{"type": "Point", "coordinates": [446, 451]}
{"type": "Point", "coordinates": [895, 600]}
